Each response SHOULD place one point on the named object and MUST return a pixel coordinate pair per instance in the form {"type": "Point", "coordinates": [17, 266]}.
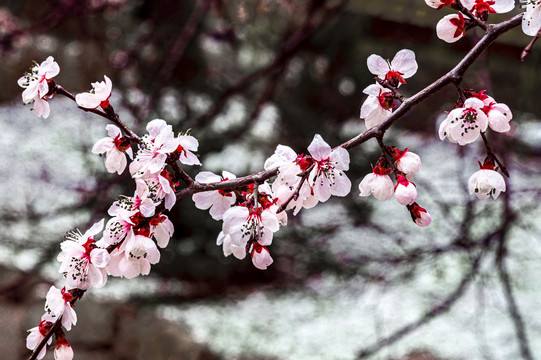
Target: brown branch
{"type": "Point", "coordinates": [493, 32]}
{"type": "Point", "coordinates": [528, 49]}
{"type": "Point", "coordinates": [182, 174]}
{"type": "Point", "coordinates": [109, 115]}
{"type": "Point", "coordinates": [394, 90]}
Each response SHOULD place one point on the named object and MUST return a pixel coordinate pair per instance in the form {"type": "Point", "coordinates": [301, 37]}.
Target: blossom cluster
{"type": "Point", "coordinates": [453, 27]}
{"type": "Point", "coordinates": [129, 242]}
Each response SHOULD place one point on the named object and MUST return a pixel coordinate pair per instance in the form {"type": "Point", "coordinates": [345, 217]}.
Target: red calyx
{"type": "Point", "coordinates": [394, 78]}
{"type": "Point", "coordinates": [488, 164]}
{"type": "Point", "coordinates": [386, 99]}
{"type": "Point", "coordinates": [121, 143]}
{"type": "Point", "coordinates": [304, 161]}
{"type": "Point", "coordinates": [461, 25]}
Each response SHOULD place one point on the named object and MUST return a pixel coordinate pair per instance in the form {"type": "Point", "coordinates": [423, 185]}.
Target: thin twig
{"type": "Point", "coordinates": [303, 176]}
{"type": "Point", "coordinates": [528, 49]}
{"type": "Point", "coordinates": [493, 154]}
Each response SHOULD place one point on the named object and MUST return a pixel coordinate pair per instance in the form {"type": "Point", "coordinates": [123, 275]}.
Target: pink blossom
{"type": "Point", "coordinates": [378, 105]}
{"type": "Point", "coordinates": [187, 144]}
{"type": "Point", "coordinates": [377, 183]}
{"type": "Point", "coordinates": [419, 215]}
{"type": "Point", "coordinates": [401, 67]}
{"type": "Point", "coordinates": [82, 261]}
{"type": "Point", "coordinates": [261, 257]}
{"type": "Point", "coordinates": [115, 147]}
{"type": "Point", "coordinates": [405, 191]}
{"type": "Point", "coordinates": [327, 177]}
{"type": "Point", "coordinates": [154, 149]}
{"type": "Point", "coordinates": [290, 166]}
{"type": "Point", "coordinates": [58, 304]}
{"type": "Point", "coordinates": [438, 4]}
{"type": "Point", "coordinates": [162, 229]}
{"type": "Point", "coordinates": [218, 201]}
{"type": "Point", "coordinates": [36, 85]}
{"type": "Point", "coordinates": [98, 96]}
{"type": "Point", "coordinates": [531, 20]}
{"type": "Point", "coordinates": [133, 257]}
{"type": "Point", "coordinates": [407, 162]}
{"type": "Point", "coordinates": [499, 115]}
{"type": "Point", "coordinates": [464, 125]}
{"type": "Point", "coordinates": [62, 349]}
{"type": "Point", "coordinates": [452, 27]}
{"type": "Point", "coordinates": [487, 181]}
{"type": "Point", "coordinates": [36, 335]}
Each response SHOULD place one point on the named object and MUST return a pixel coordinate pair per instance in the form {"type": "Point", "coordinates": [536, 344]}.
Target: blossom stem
{"type": "Point", "coordinates": [182, 174]}
{"type": "Point", "coordinates": [490, 152]}
{"type": "Point", "coordinates": [304, 175]}
{"type": "Point", "coordinates": [112, 116]}
{"type": "Point", "coordinates": [394, 90]}
{"type": "Point", "coordinates": [483, 25]}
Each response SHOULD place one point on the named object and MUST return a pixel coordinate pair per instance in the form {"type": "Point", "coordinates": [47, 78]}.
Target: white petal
{"type": "Point", "coordinates": [404, 62]}
{"type": "Point", "coordinates": [377, 65]}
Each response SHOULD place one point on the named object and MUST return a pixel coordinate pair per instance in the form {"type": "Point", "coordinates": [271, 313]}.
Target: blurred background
{"type": "Point", "coordinates": [352, 278]}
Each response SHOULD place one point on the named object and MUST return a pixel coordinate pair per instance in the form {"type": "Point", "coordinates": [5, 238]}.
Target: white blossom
{"type": "Point", "coordinates": [36, 85]}
{"type": "Point", "coordinates": [377, 183]}
{"type": "Point", "coordinates": [452, 27]}
{"type": "Point", "coordinates": [531, 20]}
{"type": "Point", "coordinates": [261, 257]}
{"type": "Point", "coordinates": [98, 96]}
{"type": "Point", "coordinates": [58, 304]}
{"type": "Point", "coordinates": [218, 201]}
{"type": "Point", "coordinates": [377, 106]}
{"type": "Point", "coordinates": [82, 261]}
{"type": "Point", "coordinates": [401, 67]}
{"type": "Point", "coordinates": [327, 177]}
{"type": "Point", "coordinates": [115, 147]}
{"type": "Point", "coordinates": [405, 191]}
{"type": "Point", "coordinates": [485, 182]}
{"type": "Point", "coordinates": [464, 125]}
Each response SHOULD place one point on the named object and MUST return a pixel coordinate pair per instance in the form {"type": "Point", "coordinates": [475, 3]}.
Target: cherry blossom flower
{"type": "Point", "coordinates": [378, 183]}
{"type": "Point", "coordinates": [499, 115]}
{"type": "Point", "coordinates": [115, 147]}
{"type": "Point", "coordinates": [482, 8]}
{"type": "Point", "coordinates": [154, 148]}
{"type": "Point", "coordinates": [133, 257]}
{"type": "Point", "coordinates": [452, 27]}
{"type": "Point", "coordinates": [438, 4]}
{"type": "Point", "coordinates": [41, 107]}
{"type": "Point", "coordinates": [82, 261]}
{"type": "Point", "coordinates": [405, 191]}
{"type": "Point", "coordinates": [464, 125]}
{"type": "Point", "coordinates": [261, 257]}
{"type": "Point", "coordinates": [239, 251]}
{"type": "Point", "coordinates": [531, 20]}
{"type": "Point", "coordinates": [119, 225]}
{"type": "Point", "coordinates": [487, 181]}
{"type": "Point", "coordinates": [58, 304]}
{"type": "Point", "coordinates": [218, 201]}
{"type": "Point", "coordinates": [244, 224]}
{"type": "Point", "coordinates": [401, 67]}
{"type": "Point", "coordinates": [161, 229]}
{"type": "Point", "coordinates": [327, 177]}
{"type": "Point", "coordinates": [419, 215]}
{"type": "Point", "coordinates": [187, 144]}
{"type": "Point", "coordinates": [290, 166]}
{"type": "Point", "coordinates": [377, 106]}
{"type": "Point", "coordinates": [98, 96]}
{"type": "Point", "coordinates": [406, 161]}
{"type": "Point", "coordinates": [36, 85]}
{"type": "Point", "coordinates": [62, 349]}
{"type": "Point", "coordinates": [36, 335]}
